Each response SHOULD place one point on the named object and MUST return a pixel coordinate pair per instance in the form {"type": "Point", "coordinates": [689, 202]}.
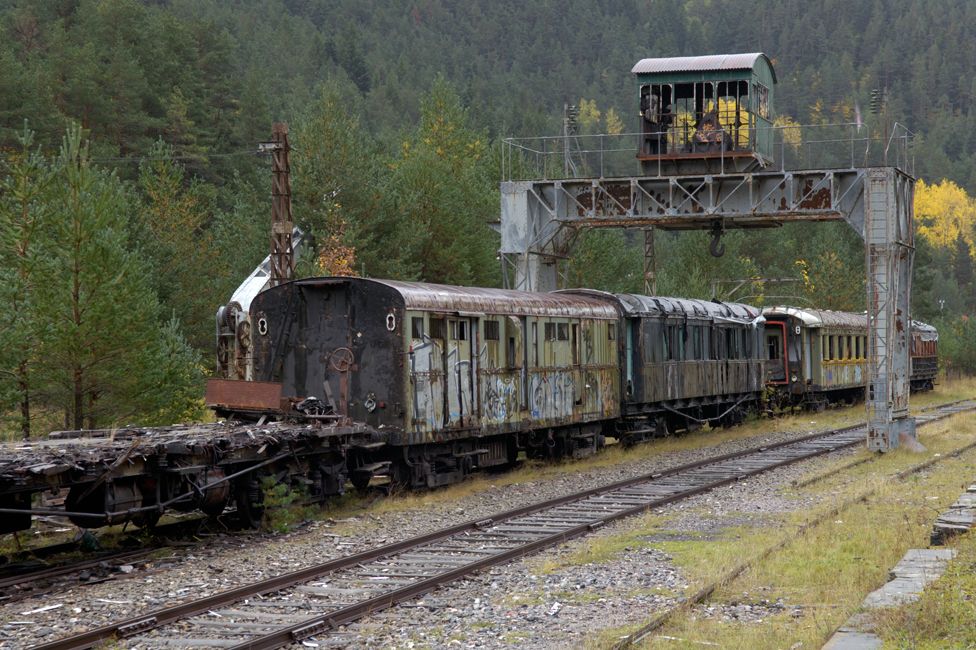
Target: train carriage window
{"type": "Point", "coordinates": [510, 360]}
{"type": "Point", "coordinates": [491, 330]}
{"type": "Point", "coordinates": [417, 327]}
{"type": "Point", "coordinates": [535, 344]}
{"type": "Point", "coordinates": [772, 343]}
{"type": "Point", "coordinates": [459, 330]}
{"type": "Point", "coordinates": [830, 348]}
{"type": "Point", "coordinates": [438, 328]}
{"type": "Point", "coordinates": [675, 343]}
{"type": "Point", "coordinates": [562, 331]}
{"type": "Point", "coordinates": [575, 345]}
{"type": "Point", "coordinates": [550, 331]}
{"type": "Point", "coordinates": [850, 347]}
{"type": "Point", "coordinates": [611, 331]}
{"type": "Point", "coordinates": [857, 347]}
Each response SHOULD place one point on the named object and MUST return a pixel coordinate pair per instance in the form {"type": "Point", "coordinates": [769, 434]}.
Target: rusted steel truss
{"type": "Point", "coordinates": [541, 219]}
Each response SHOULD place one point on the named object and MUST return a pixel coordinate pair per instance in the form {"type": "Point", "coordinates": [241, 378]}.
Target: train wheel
{"type": "Point", "coordinates": [249, 496]}
{"type": "Point", "coordinates": [360, 480]}
{"type": "Point", "coordinates": [147, 520]}
{"type": "Point", "coordinates": [399, 477]}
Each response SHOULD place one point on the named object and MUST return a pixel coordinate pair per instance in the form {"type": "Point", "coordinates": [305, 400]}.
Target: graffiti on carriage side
{"type": "Point", "coordinates": [588, 343]}
{"type": "Point", "coordinates": [427, 382]}
{"type": "Point", "coordinates": [500, 399]}
{"type": "Point", "coordinates": [460, 396]}
{"type": "Point", "coordinates": [600, 392]}
{"type": "Point", "coordinates": [551, 395]}
{"type": "Point", "coordinates": [844, 374]}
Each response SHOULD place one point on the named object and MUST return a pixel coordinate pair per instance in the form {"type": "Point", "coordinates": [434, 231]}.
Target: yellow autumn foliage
{"type": "Point", "coordinates": [589, 114]}
{"type": "Point", "coordinates": [615, 125]}
{"type": "Point", "coordinates": [943, 212]}
{"type": "Point", "coordinates": [789, 131]}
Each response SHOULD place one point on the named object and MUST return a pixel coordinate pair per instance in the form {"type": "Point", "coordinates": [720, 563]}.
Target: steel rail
{"type": "Point", "coordinates": [705, 592]}
{"type": "Point", "coordinates": [48, 573]}
{"type": "Point", "coordinates": [316, 625]}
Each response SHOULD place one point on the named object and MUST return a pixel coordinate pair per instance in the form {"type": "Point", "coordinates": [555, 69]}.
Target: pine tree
{"type": "Point", "coordinates": [106, 359]}
{"type": "Point", "coordinates": [173, 223]}
{"type": "Point", "coordinates": [437, 201]}
{"type": "Point", "coordinates": [24, 219]}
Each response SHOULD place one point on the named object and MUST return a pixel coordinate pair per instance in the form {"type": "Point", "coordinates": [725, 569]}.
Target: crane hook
{"type": "Point", "coordinates": [716, 247]}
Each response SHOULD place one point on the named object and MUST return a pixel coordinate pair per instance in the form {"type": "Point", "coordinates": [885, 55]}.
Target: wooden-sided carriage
{"type": "Point", "coordinates": [925, 355]}
{"type": "Point", "coordinates": [685, 362]}
{"type": "Point", "coordinates": [705, 114]}
{"type": "Point", "coordinates": [452, 377]}
{"type": "Point", "coordinates": [817, 357]}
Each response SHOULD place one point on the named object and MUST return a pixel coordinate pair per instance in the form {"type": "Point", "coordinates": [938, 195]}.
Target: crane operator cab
{"type": "Point", "coordinates": [705, 114]}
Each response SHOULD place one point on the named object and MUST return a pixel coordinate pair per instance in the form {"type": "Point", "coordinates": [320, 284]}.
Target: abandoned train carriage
{"type": "Point", "coordinates": [687, 361]}
{"type": "Point", "coordinates": [448, 374]}
{"type": "Point", "coordinates": [818, 357]}
{"type": "Point", "coordinates": [925, 355]}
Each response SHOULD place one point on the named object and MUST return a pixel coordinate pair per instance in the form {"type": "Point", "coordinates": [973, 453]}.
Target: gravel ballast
{"type": "Point", "coordinates": [510, 605]}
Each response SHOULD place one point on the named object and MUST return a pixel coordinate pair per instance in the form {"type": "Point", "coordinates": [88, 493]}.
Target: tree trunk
{"type": "Point", "coordinates": [24, 386]}
{"type": "Point", "coordinates": [79, 395]}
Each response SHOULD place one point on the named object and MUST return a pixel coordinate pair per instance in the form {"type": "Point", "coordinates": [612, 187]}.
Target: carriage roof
{"type": "Point", "coordinates": [820, 317]}
{"type": "Point", "coordinates": [479, 301]}
{"type": "Point", "coordinates": [689, 308]}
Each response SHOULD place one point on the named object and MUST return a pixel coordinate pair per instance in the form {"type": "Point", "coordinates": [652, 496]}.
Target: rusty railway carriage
{"type": "Point", "coordinates": [817, 357]}
{"type": "Point", "coordinates": [925, 355]}
{"type": "Point", "coordinates": [423, 383]}
{"type": "Point", "coordinates": [685, 362]}
{"type": "Point", "coordinates": [448, 374]}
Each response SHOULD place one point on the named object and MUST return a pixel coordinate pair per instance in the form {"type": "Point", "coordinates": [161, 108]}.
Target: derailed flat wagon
{"type": "Point", "coordinates": [134, 474]}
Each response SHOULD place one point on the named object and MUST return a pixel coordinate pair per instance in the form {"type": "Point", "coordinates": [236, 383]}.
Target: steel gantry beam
{"type": "Point", "coordinates": [541, 219]}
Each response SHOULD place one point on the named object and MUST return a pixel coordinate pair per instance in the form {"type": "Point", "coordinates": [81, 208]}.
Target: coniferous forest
{"type": "Point", "coordinates": [133, 200]}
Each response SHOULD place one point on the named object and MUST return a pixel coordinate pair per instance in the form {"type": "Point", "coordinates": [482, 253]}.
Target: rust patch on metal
{"type": "Point", "coordinates": [614, 200]}
{"type": "Point", "coordinates": [782, 203]}
{"type": "Point", "coordinates": [818, 200]}
{"type": "Point", "coordinates": [237, 395]}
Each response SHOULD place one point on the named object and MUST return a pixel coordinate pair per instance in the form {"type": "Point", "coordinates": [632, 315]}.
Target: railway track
{"type": "Point", "coordinates": [316, 602]}
{"type": "Point", "coordinates": [97, 569]}
{"type": "Point", "coordinates": [18, 581]}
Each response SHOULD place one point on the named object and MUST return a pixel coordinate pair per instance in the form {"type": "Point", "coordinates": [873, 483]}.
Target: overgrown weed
{"type": "Point", "coordinates": [829, 568]}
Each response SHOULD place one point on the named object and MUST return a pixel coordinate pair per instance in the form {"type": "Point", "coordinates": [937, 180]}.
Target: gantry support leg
{"type": "Point", "coordinates": [889, 251]}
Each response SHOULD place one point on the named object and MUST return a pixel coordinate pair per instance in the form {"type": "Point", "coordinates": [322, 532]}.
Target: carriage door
{"type": "Point", "coordinates": [777, 368]}
{"type": "Point", "coordinates": [460, 387]}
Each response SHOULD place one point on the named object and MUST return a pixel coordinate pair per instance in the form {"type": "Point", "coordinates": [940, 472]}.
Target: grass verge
{"type": "Point", "coordinates": [945, 615]}
{"type": "Point", "coordinates": [823, 574]}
